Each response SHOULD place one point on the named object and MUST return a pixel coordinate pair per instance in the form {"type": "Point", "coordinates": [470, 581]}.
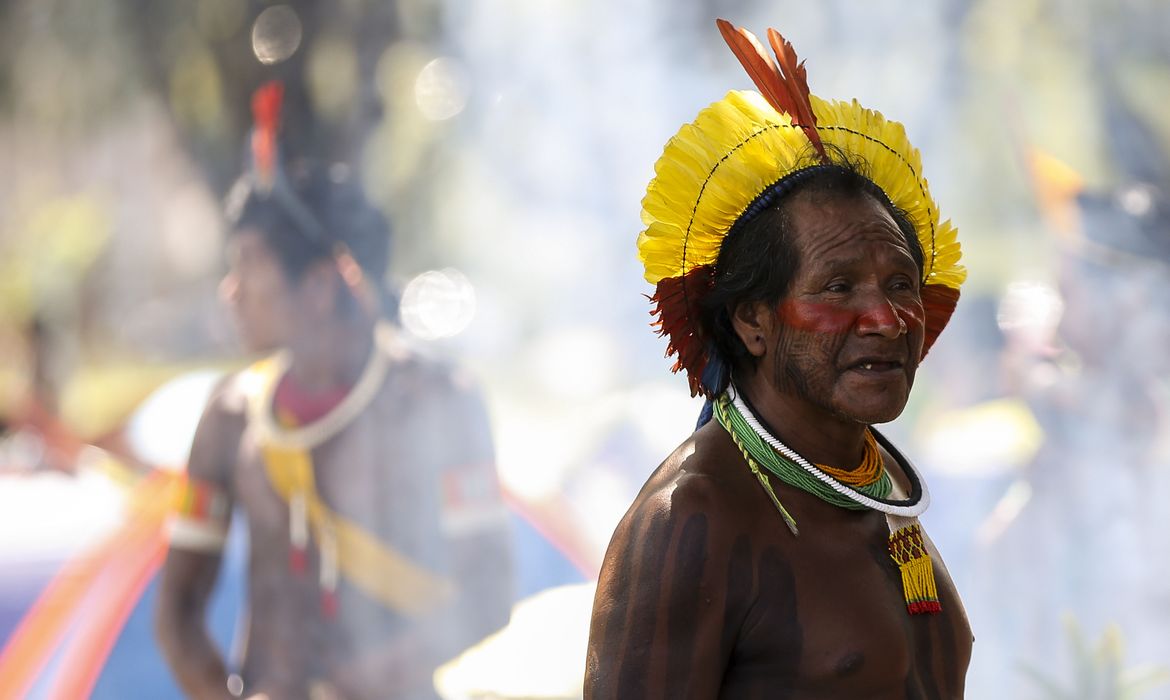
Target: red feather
{"type": "Point", "coordinates": [795, 79]}
{"type": "Point", "coordinates": [266, 103]}
{"type": "Point", "coordinates": [676, 301]}
{"type": "Point", "coordinates": [938, 301]}
{"type": "Point", "coordinates": [755, 60]}
{"type": "Point", "coordinates": [784, 87]}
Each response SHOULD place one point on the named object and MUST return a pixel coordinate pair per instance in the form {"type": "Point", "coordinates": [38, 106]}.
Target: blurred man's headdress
{"type": "Point", "coordinates": [725, 167]}
{"type": "Point", "coordinates": [266, 178]}
{"type": "Point", "coordinates": [264, 174]}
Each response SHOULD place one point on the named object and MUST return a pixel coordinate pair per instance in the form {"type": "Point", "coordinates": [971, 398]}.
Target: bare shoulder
{"type": "Point", "coordinates": [698, 485]}
{"type": "Point", "coordinates": [700, 476]}
{"type": "Point", "coordinates": [226, 411]}
{"type": "Point", "coordinates": [687, 504]}
{"type": "Point", "coordinates": [218, 435]}
{"type": "Point", "coordinates": [229, 398]}
{"type": "Point", "coordinates": [669, 602]}
{"type": "Point", "coordinates": [438, 401]}
{"type": "Point", "coordinates": [418, 373]}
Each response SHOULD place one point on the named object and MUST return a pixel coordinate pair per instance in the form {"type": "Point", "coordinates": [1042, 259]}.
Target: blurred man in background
{"type": "Point", "coordinates": [378, 543]}
{"type": "Point", "coordinates": [1080, 555]}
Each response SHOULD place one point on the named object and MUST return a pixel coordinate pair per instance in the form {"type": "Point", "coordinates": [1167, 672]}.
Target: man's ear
{"type": "Point", "coordinates": [753, 322]}
{"type": "Point", "coordinates": [319, 288]}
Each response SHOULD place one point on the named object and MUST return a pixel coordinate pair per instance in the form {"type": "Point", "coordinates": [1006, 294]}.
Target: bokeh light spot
{"type": "Point", "coordinates": [438, 304]}
{"type": "Point", "coordinates": [441, 88]}
{"type": "Point", "coordinates": [1029, 305]}
{"type": "Point", "coordinates": [276, 34]}
{"type": "Point", "coordinates": [1136, 200]}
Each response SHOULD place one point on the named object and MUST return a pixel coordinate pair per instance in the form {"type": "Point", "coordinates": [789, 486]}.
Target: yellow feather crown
{"type": "Point", "coordinates": [712, 170]}
{"type": "Point", "coordinates": [714, 167]}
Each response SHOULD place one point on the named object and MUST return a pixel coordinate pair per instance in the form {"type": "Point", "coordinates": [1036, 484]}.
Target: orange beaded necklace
{"type": "Point", "coordinates": [869, 471]}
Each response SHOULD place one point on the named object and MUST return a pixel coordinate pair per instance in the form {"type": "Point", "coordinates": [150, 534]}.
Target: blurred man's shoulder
{"type": "Point", "coordinates": [229, 397]}
{"type": "Point", "coordinates": [418, 368]}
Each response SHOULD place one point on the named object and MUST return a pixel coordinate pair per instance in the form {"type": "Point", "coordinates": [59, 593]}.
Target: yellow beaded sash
{"type": "Point", "coordinates": [345, 548]}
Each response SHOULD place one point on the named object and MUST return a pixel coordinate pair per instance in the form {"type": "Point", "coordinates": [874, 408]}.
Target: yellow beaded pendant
{"type": "Point", "coordinates": [908, 550]}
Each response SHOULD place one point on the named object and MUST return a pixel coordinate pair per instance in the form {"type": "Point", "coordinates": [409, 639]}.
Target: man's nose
{"type": "Point", "coordinates": [880, 317]}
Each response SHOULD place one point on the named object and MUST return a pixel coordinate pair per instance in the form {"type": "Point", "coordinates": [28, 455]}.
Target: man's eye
{"type": "Point", "coordinates": [837, 287]}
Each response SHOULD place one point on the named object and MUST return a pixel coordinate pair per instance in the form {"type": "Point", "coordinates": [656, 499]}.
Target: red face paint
{"type": "Point", "coordinates": [813, 317]}
{"type": "Point", "coordinates": [885, 314]}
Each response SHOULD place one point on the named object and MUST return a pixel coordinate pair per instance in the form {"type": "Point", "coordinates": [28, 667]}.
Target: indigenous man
{"type": "Point", "coordinates": [801, 274]}
{"type": "Point", "coordinates": [378, 544]}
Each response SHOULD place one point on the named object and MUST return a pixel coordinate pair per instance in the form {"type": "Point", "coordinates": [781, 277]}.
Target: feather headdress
{"type": "Point", "coordinates": [715, 167]}
{"type": "Point", "coordinates": [267, 177]}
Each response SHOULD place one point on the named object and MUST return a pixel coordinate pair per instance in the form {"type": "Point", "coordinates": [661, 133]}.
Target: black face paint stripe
{"type": "Point", "coordinates": [913, 688]}
{"type": "Point", "coordinates": [686, 603]}
{"type": "Point", "coordinates": [781, 614]}
{"type": "Point", "coordinates": [642, 620]}
{"type": "Point", "coordinates": [616, 623]}
{"type": "Point", "coordinates": [740, 574]}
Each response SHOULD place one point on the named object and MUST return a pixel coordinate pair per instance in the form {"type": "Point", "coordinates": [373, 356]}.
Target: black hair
{"type": "Point", "coordinates": [309, 213]}
{"type": "Point", "coordinates": [758, 259]}
{"type": "Point", "coordinates": [305, 216]}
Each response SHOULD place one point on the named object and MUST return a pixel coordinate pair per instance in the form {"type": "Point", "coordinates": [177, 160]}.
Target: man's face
{"type": "Point", "coordinates": [849, 333]}
{"type": "Point", "coordinates": [259, 293]}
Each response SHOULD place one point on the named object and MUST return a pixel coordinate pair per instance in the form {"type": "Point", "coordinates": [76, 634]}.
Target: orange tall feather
{"type": "Point", "coordinates": [756, 62]}
{"type": "Point", "coordinates": [785, 87]}
{"type": "Point", "coordinates": [266, 102]}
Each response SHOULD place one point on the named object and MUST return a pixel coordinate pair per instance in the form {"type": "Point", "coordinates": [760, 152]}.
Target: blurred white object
{"type": "Point", "coordinates": [540, 655]}
{"type": "Point", "coordinates": [48, 515]}
{"type": "Point", "coordinates": [161, 431]}
{"type": "Point", "coordinates": [576, 362]}
{"type": "Point", "coordinates": [1030, 310]}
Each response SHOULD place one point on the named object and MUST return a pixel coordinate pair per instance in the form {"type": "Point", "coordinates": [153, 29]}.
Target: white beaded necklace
{"type": "Point", "coordinates": [310, 435]}
{"type": "Point", "coordinates": [904, 509]}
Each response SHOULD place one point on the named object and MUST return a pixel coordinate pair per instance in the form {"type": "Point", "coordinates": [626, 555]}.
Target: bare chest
{"type": "Point", "coordinates": [829, 620]}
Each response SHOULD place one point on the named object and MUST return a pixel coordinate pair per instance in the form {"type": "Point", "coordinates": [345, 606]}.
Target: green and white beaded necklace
{"type": "Point", "coordinates": [763, 451]}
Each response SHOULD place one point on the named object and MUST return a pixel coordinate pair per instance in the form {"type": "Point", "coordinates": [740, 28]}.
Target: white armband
{"type": "Point", "coordinates": [197, 535]}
